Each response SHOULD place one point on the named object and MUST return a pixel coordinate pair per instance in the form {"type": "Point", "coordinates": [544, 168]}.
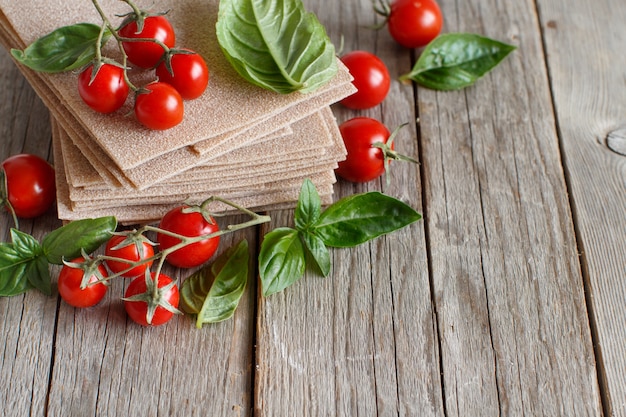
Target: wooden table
{"type": "Point", "coordinates": [509, 298]}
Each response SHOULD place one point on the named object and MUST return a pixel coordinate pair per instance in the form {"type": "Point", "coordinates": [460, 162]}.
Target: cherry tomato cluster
{"type": "Point", "coordinates": [413, 24]}
{"type": "Point", "coordinates": [151, 298]}
{"type": "Point", "coordinates": [148, 42]}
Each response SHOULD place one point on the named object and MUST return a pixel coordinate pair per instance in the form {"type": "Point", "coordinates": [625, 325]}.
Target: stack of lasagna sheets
{"type": "Point", "coordinates": [251, 146]}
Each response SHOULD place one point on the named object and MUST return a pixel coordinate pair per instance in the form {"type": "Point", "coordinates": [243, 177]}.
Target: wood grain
{"type": "Point", "coordinates": [590, 104]}
{"type": "Point", "coordinates": [507, 284]}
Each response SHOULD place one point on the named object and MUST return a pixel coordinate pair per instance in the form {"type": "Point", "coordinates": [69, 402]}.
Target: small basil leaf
{"type": "Point", "coordinates": [38, 274]}
{"type": "Point", "coordinates": [309, 206]}
{"type": "Point", "coordinates": [276, 45]}
{"type": "Point", "coordinates": [13, 280]}
{"type": "Point", "coordinates": [281, 260]}
{"type": "Point", "coordinates": [456, 60]}
{"type": "Point", "coordinates": [68, 241]}
{"type": "Point", "coordinates": [213, 292]}
{"type": "Point", "coordinates": [361, 217]}
{"type": "Point", "coordinates": [64, 49]}
{"type": "Point", "coordinates": [27, 246]}
{"type": "Point", "coordinates": [318, 251]}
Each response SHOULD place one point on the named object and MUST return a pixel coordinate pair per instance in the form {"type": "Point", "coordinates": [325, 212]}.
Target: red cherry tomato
{"type": "Point", "coordinates": [160, 108]}
{"type": "Point", "coordinates": [107, 92]}
{"type": "Point", "coordinates": [142, 288]}
{"type": "Point", "coordinates": [191, 225]}
{"type": "Point", "coordinates": [147, 54]}
{"type": "Point", "coordinates": [69, 282]}
{"type": "Point", "coordinates": [30, 185]}
{"type": "Point", "coordinates": [414, 23]}
{"type": "Point", "coordinates": [363, 162]}
{"type": "Point", "coordinates": [134, 250]}
{"type": "Point", "coordinates": [190, 74]}
{"type": "Point", "coordinates": [371, 79]}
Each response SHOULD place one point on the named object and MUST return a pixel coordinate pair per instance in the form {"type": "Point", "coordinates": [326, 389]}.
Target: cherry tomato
{"type": "Point", "coordinates": [69, 282]}
{"type": "Point", "coordinates": [107, 91]}
{"type": "Point", "coordinates": [371, 79]}
{"type": "Point", "coordinates": [189, 76]}
{"type": "Point", "coordinates": [30, 185]}
{"type": "Point", "coordinates": [147, 54]}
{"type": "Point", "coordinates": [160, 107]}
{"type": "Point", "coordinates": [143, 307]}
{"type": "Point", "coordinates": [414, 23]}
{"type": "Point", "coordinates": [191, 224]}
{"type": "Point", "coordinates": [363, 162]}
{"type": "Point", "coordinates": [134, 249]}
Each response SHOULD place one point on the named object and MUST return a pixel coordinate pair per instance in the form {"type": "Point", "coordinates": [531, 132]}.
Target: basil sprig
{"type": "Point", "coordinates": [348, 222]}
{"type": "Point", "coordinates": [64, 49]}
{"type": "Point", "coordinates": [276, 45]}
{"type": "Point", "coordinates": [24, 261]}
{"type": "Point", "coordinates": [457, 60]}
{"type": "Point", "coordinates": [213, 292]}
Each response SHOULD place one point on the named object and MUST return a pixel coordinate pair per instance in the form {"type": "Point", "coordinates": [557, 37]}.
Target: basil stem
{"type": "Point", "coordinates": [456, 60]}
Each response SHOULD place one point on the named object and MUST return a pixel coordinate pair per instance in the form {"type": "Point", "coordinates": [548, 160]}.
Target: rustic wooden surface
{"type": "Point", "coordinates": [509, 298]}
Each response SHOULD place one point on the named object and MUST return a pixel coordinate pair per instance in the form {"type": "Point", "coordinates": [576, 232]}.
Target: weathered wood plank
{"type": "Point", "coordinates": [27, 328]}
{"type": "Point", "coordinates": [362, 341]}
{"type": "Point", "coordinates": [585, 48]}
{"type": "Point", "coordinates": [507, 284]}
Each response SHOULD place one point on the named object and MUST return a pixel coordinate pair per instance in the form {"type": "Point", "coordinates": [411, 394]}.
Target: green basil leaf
{"type": "Point", "coordinates": [67, 242]}
{"type": "Point", "coordinates": [361, 217]}
{"type": "Point", "coordinates": [13, 280]}
{"type": "Point", "coordinates": [281, 260]}
{"type": "Point", "coordinates": [38, 274]}
{"type": "Point", "coordinates": [276, 45]}
{"type": "Point", "coordinates": [21, 267]}
{"type": "Point", "coordinates": [456, 60]}
{"type": "Point", "coordinates": [318, 251]}
{"type": "Point", "coordinates": [213, 292]}
{"type": "Point", "coordinates": [64, 49]}
{"type": "Point", "coordinates": [309, 206]}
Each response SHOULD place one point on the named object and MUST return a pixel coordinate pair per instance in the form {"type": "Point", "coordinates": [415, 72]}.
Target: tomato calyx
{"type": "Point", "coordinates": [154, 296]}
{"type": "Point", "coordinates": [90, 267]}
{"type": "Point", "coordinates": [389, 154]}
{"type": "Point", "coordinates": [202, 209]}
{"type": "Point", "coordinates": [382, 8]}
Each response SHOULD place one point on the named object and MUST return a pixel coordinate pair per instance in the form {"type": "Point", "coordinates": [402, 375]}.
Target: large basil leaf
{"type": "Point", "coordinates": [213, 293]}
{"type": "Point", "coordinates": [64, 49]}
{"type": "Point", "coordinates": [68, 241]}
{"type": "Point", "coordinates": [361, 217]}
{"type": "Point", "coordinates": [22, 266]}
{"type": "Point", "coordinates": [456, 60]}
{"type": "Point", "coordinates": [281, 260]}
{"type": "Point", "coordinates": [276, 44]}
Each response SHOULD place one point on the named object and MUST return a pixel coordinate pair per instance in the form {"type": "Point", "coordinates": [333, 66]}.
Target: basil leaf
{"type": "Point", "coordinates": [281, 260]}
{"type": "Point", "coordinates": [213, 293]}
{"type": "Point", "coordinates": [38, 274]}
{"type": "Point", "coordinates": [21, 266]}
{"type": "Point", "coordinates": [68, 241]}
{"type": "Point", "coordinates": [318, 251]}
{"type": "Point", "coordinates": [309, 206]}
{"type": "Point", "coordinates": [276, 45]}
{"type": "Point", "coordinates": [456, 60]}
{"type": "Point", "coordinates": [361, 217]}
{"type": "Point", "coordinates": [64, 49]}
